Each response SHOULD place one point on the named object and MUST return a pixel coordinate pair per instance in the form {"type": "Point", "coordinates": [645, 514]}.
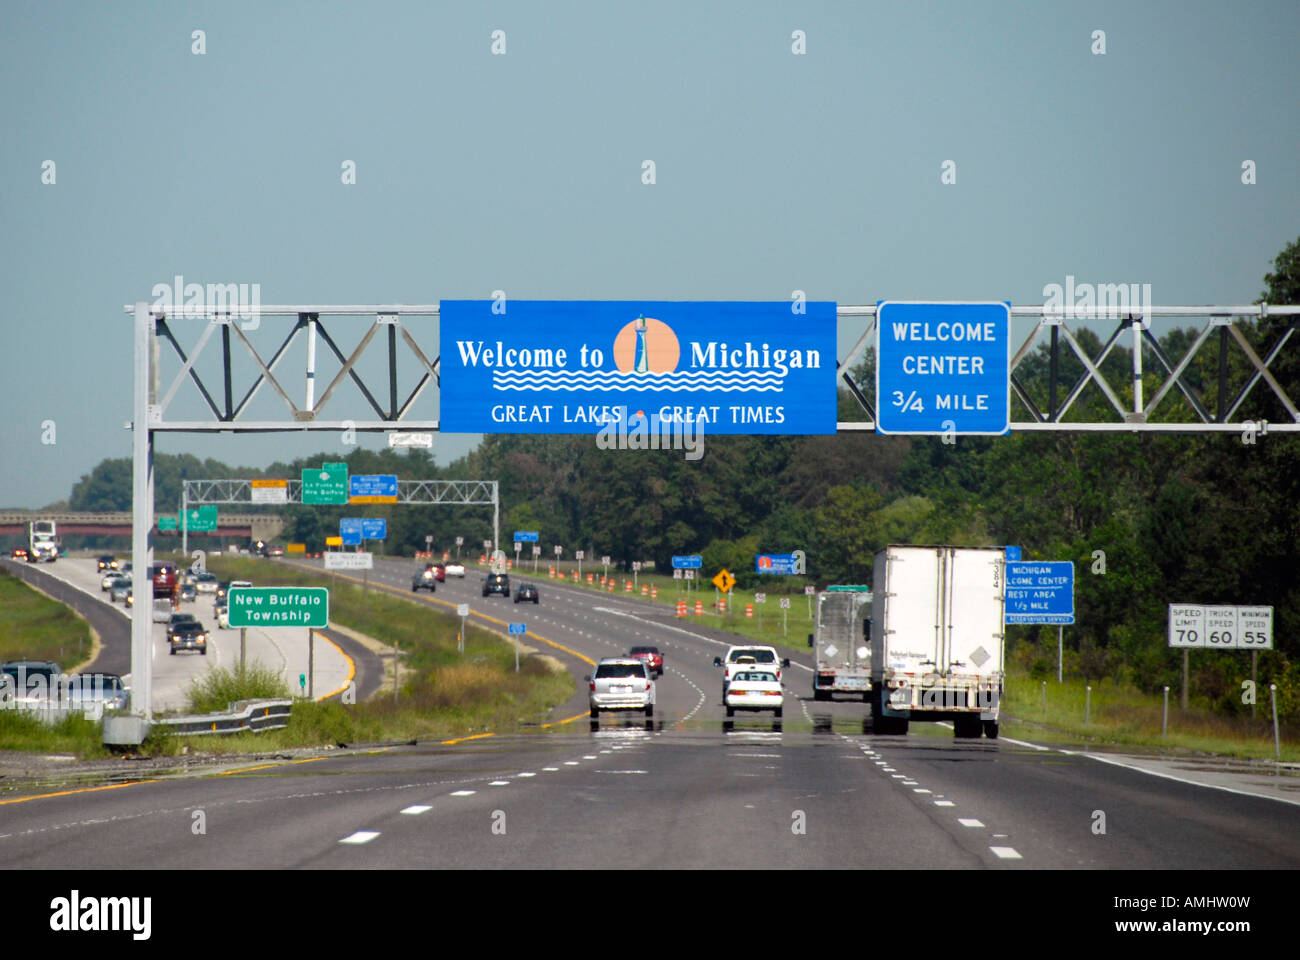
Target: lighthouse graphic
{"type": "Point", "coordinates": [642, 361]}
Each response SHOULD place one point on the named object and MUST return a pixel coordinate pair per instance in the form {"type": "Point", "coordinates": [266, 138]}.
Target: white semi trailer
{"type": "Point", "coordinates": [842, 643]}
{"type": "Point", "coordinates": [937, 638]}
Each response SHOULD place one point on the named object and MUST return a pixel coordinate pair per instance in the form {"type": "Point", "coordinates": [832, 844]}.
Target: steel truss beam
{"type": "Point", "coordinates": [1138, 418]}
{"type": "Point", "coordinates": [465, 493]}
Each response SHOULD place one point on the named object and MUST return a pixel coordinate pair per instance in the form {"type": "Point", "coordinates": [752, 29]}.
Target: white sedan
{"type": "Point", "coordinates": [754, 690]}
{"type": "Point", "coordinates": [455, 570]}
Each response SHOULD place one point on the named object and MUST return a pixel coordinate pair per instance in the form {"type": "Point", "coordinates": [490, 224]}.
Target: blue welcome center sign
{"type": "Point", "coordinates": [580, 366]}
{"type": "Point", "coordinates": [943, 367]}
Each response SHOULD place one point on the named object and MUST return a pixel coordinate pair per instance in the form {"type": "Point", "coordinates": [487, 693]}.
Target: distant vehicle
{"type": "Point", "coordinates": [748, 658]}
{"type": "Point", "coordinates": [527, 591]}
{"type": "Point", "coordinates": [111, 578]}
{"type": "Point", "coordinates": [189, 635]}
{"type": "Point", "coordinates": [206, 582]}
{"type": "Point", "coordinates": [496, 583]}
{"type": "Point", "coordinates": [162, 609]}
{"type": "Point", "coordinates": [106, 562]}
{"type": "Point", "coordinates": [130, 597]}
{"type": "Point", "coordinates": [937, 636]}
{"type": "Point", "coordinates": [652, 657]}
{"type": "Point", "coordinates": [621, 684]}
{"type": "Point", "coordinates": [222, 587]}
{"type": "Point", "coordinates": [754, 690]}
{"type": "Point", "coordinates": [43, 541]}
{"type": "Point", "coordinates": [120, 588]}
{"type": "Point", "coordinates": [176, 618]}
{"type": "Point", "coordinates": [456, 569]}
{"type": "Point", "coordinates": [188, 592]}
{"type": "Point", "coordinates": [275, 550]}
{"type": "Point", "coordinates": [842, 643]}
{"type": "Point", "coordinates": [19, 553]}
{"type": "Point", "coordinates": [90, 688]}
{"type": "Point", "coordinates": [426, 579]}
{"type": "Point", "coordinates": [259, 548]}
{"type": "Point", "coordinates": [223, 616]}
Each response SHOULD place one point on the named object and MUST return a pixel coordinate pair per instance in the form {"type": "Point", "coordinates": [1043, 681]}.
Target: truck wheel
{"type": "Point", "coordinates": [777, 714]}
{"type": "Point", "coordinates": [821, 694]}
{"type": "Point", "coordinates": [731, 711]}
{"type": "Point", "coordinates": [991, 729]}
{"type": "Point", "coordinates": [966, 728]}
{"type": "Point", "coordinates": [594, 713]}
{"type": "Point", "coordinates": [649, 709]}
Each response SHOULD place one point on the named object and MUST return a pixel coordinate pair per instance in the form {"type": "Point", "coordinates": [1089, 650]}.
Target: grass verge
{"type": "Point", "coordinates": [35, 627]}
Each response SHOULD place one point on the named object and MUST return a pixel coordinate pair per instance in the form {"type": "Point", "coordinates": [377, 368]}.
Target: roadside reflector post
{"type": "Point", "coordinates": [311, 664]}
{"type": "Point", "coordinates": [1164, 719]}
{"type": "Point", "coordinates": [394, 674]}
{"type": "Point", "coordinates": [1087, 704]}
{"type": "Point", "coordinates": [1254, 663]}
{"type": "Point", "coordinates": [1277, 743]}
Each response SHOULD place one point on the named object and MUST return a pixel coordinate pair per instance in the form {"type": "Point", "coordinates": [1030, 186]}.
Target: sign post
{"type": "Point", "coordinates": [517, 630]}
{"type": "Point", "coordinates": [537, 552]}
{"type": "Point", "coordinates": [459, 542]}
{"type": "Point", "coordinates": [760, 601]}
{"type": "Point", "coordinates": [462, 611]}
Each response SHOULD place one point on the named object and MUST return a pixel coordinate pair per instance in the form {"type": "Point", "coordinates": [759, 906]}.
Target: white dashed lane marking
{"type": "Point", "coordinates": [361, 836]}
{"type": "Point", "coordinates": [944, 803]}
{"type": "Point", "coordinates": [970, 822]}
{"type": "Point", "coordinates": [1006, 853]}
{"type": "Point", "coordinates": [463, 793]}
{"type": "Point", "coordinates": [417, 809]}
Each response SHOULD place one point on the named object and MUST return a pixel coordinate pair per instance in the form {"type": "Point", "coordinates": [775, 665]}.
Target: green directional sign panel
{"type": "Point", "coordinates": [199, 520]}
{"type": "Point", "coordinates": [279, 606]}
{"type": "Point", "coordinates": [327, 485]}
{"type": "Point", "coordinates": [168, 523]}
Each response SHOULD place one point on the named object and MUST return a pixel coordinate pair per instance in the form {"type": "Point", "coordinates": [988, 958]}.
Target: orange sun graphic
{"type": "Point", "coordinates": [663, 350]}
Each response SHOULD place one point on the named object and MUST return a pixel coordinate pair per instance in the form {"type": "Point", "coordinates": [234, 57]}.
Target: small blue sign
{"type": "Point", "coordinates": [372, 488]}
{"type": "Point", "coordinates": [350, 531]}
{"type": "Point", "coordinates": [525, 536]}
{"type": "Point", "coordinates": [785, 564]}
{"type": "Point", "coordinates": [943, 368]}
{"type": "Point", "coordinates": [1040, 591]}
{"type": "Point", "coordinates": [518, 628]}
{"type": "Point", "coordinates": [1013, 554]}
{"type": "Point", "coordinates": [638, 370]}
{"type": "Point", "coordinates": [693, 562]}
{"type": "Point", "coordinates": [374, 529]}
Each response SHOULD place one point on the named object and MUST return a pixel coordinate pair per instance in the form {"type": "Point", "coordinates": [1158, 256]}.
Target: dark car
{"type": "Point", "coordinates": [498, 583]}
{"type": "Point", "coordinates": [106, 562]}
{"type": "Point", "coordinates": [526, 591]}
{"type": "Point", "coordinates": [652, 658]}
{"type": "Point", "coordinates": [426, 579]}
{"type": "Point", "coordinates": [29, 680]}
{"type": "Point", "coordinates": [86, 689]}
{"type": "Point", "coordinates": [188, 635]}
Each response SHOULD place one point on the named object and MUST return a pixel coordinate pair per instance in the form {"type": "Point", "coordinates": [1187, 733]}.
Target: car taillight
{"type": "Point", "coordinates": [647, 684]}
{"type": "Point", "coordinates": [593, 686]}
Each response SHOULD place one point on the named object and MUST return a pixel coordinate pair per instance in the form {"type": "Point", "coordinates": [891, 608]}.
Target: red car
{"type": "Point", "coordinates": [653, 659]}
{"type": "Point", "coordinates": [20, 553]}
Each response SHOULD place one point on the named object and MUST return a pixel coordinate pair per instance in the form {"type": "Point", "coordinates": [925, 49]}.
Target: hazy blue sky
{"type": "Point", "coordinates": [522, 172]}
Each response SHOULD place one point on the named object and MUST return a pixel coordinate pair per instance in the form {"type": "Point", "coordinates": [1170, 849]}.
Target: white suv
{"type": "Point", "coordinates": [621, 684]}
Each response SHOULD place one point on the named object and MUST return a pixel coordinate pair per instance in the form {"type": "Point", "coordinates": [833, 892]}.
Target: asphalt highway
{"type": "Point", "coordinates": [686, 789]}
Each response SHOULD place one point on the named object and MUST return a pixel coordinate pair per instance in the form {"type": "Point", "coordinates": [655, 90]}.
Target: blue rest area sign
{"type": "Point", "coordinates": [1040, 591]}
{"type": "Point", "coordinates": [692, 562]}
{"type": "Point", "coordinates": [518, 628]}
{"type": "Point", "coordinates": [374, 529]}
{"type": "Point", "coordinates": [372, 488]}
{"type": "Point", "coordinates": [638, 371]}
{"type": "Point", "coordinates": [525, 536]}
{"type": "Point", "coordinates": [943, 368]}
{"type": "Point", "coordinates": [350, 531]}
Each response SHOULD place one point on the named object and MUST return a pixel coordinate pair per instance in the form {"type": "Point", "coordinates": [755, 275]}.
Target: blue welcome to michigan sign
{"type": "Point", "coordinates": [575, 366]}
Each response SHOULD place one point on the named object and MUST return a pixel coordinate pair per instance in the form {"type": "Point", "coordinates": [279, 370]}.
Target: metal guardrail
{"type": "Point", "coordinates": [254, 715]}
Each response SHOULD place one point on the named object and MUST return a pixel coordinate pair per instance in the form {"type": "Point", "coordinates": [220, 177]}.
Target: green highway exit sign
{"type": "Point", "coordinates": [279, 606]}
{"type": "Point", "coordinates": [329, 484]}
{"type": "Point", "coordinates": [199, 519]}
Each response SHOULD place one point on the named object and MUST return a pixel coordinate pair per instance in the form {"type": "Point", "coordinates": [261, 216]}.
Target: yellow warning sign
{"type": "Point", "coordinates": [724, 581]}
